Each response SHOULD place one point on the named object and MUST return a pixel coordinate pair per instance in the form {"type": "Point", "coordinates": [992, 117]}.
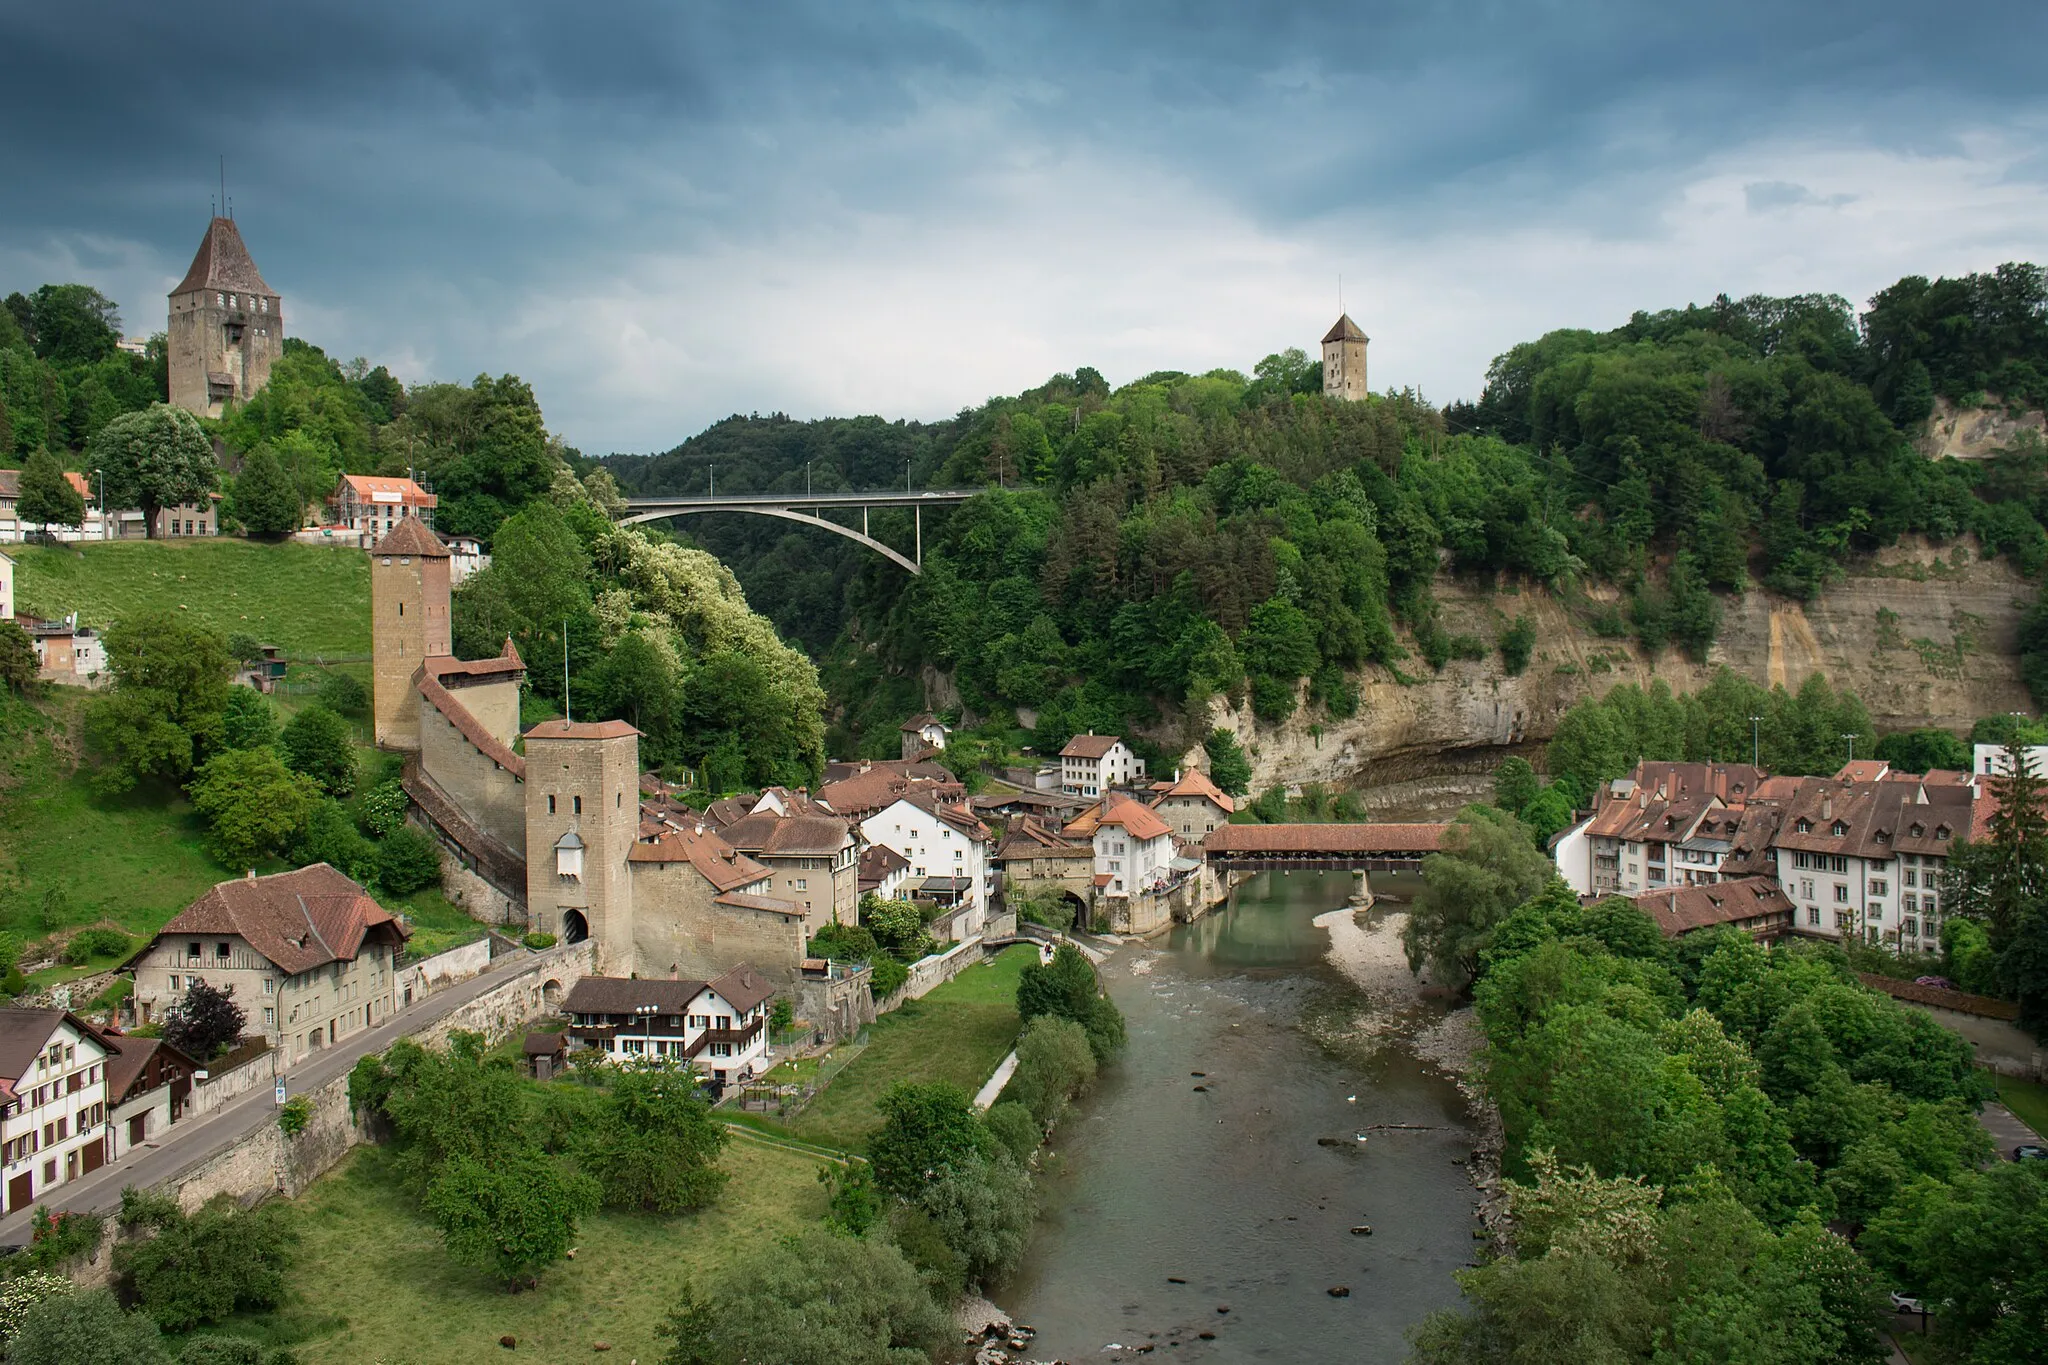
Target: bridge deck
{"type": "Point", "coordinates": [1339, 845]}
{"type": "Point", "coordinates": [896, 497]}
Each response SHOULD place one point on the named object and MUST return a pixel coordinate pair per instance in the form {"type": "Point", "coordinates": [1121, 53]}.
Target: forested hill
{"type": "Point", "coordinates": [1187, 535]}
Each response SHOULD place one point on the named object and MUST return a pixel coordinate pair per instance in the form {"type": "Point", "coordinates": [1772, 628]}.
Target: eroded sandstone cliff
{"type": "Point", "coordinates": [1925, 635]}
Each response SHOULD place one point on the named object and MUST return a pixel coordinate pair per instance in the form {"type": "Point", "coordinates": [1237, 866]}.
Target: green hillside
{"type": "Point", "coordinates": [312, 600]}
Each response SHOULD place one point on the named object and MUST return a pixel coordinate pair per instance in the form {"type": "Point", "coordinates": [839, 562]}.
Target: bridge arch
{"type": "Point", "coordinates": [786, 514]}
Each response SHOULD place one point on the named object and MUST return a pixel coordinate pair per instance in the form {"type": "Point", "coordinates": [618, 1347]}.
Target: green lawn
{"type": "Point", "coordinates": [370, 1282]}
{"type": "Point", "coordinates": [960, 1033]}
{"type": "Point", "coordinates": [2028, 1100]}
{"type": "Point", "coordinates": [310, 599]}
{"type": "Point", "coordinates": [135, 860]}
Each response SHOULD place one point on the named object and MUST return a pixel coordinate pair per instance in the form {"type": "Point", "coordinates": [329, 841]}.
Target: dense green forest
{"type": "Point", "coordinates": [1192, 535]}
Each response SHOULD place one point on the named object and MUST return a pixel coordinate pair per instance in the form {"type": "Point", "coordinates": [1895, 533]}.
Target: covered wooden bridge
{"type": "Point", "coordinates": [1321, 848]}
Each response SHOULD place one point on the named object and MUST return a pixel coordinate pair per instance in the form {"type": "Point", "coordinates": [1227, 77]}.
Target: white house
{"type": "Point", "coordinates": [883, 871]}
{"type": "Point", "coordinates": [1988, 760]}
{"type": "Point", "coordinates": [53, 1102]}
{"type": "Point", "coordinates": [923, 734]}
{"type": "Point", "coordinates": [720, 1025]}
{"type": "Point", "coordinates": [1091, 764]}
{"type": "Point", "coordinates": [1574, 854]}
{"type": "Point", "coordinates": [1192, 804]}
{"type": "Point", "coordinates": [948, 847]}
{"type": "Point", "coordinates": [1133, 846]}
{"type": "Point", "coordinates": [311, 959]}
{"type": "Point", "coordinates": [465, 557]}
{"type": "Point", "coordinates": [6, 588]}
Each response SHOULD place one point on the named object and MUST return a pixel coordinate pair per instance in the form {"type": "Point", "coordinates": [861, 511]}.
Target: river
{"type": "Point", "coordinates": [1197, 1157]}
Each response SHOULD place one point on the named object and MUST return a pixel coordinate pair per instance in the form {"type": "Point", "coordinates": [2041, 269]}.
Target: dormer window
{"type": "Point", "coordinates": [1941, 831]}
{"type": "Point", "coordinates": [1840, 829]}
{"type": "Point", "coordinates": [1804, 826]}
{"type": "Point", "coordinates": [1919, 831]}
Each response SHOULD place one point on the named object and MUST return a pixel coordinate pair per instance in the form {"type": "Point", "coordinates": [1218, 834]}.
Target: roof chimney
{"type": "Point", "coordinates": [1827, 806]}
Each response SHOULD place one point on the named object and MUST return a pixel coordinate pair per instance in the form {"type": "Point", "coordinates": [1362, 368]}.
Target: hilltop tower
{"type": "Point", "coordinates": [409, 623]}
{"type": "Point", "coordinates": [1344, 361]}
{"type": "Point", "coordinates": [226, 328]}
{"type": "Point", "coordinates": [580, 832]}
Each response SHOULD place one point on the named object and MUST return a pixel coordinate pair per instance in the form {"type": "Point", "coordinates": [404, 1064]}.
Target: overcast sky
{"type": "Point", "coordinates": [661, 213]}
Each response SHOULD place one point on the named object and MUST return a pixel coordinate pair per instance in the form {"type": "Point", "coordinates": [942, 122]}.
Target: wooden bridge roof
{"type": "Point", "coordinates": [1337, 840]}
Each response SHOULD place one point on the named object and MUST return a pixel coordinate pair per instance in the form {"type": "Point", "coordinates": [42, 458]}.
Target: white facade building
{"type": "Point", "coordinates": [53, 1102]}
{"type": "Point", "coordinates": [1133, 848]}
{"type": "Point", "coordinates": [6, 588]}
{"type": "Point", "coordinates": [1988, 760]}
{"type": "Point", "coordinates": [938, 841]}
{"type": "Point", "coordinates": [1091, 764]}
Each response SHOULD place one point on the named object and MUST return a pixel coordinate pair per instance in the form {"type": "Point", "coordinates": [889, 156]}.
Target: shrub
{"type": "Point", "coordinates": [383, 808]}
{"type": "Point", "coordinates": [85, 1328]}
{"type": "Point", "coordinates": [1516, 643]}
{"type": "Point", "coordinates": [94, 943]}
{"type": "Point", "coordinates": [22, 1293]}
{"type": "Point", "coordinates": [233, 1351]}
{"type": "Point", "coordinates": [1066, 988]}
{"type": "Point", "coordinates": [655, 1144]}
{"type": "Point", "coordinates": [318, 743]}
{"type": "Point", "coordinates": [1014, 1127]}
{"type": "Point", "coordinates": [853, 1202]}
{"type": "Point", "coordinates": [205, 1023]}
{"type": "Point", "coordinates": [203, 1267]}
{"type": "Point", "coordinates": [344, 694]}
{"type": "Point", "coordinates": [294, 1115]}
{"type": "Point", "coordinates": [57, 1239]}
{"type": "Point", "coordinates": [924, 1127]}
{"type": "Point", "coordinates": [407, 860]}
{"type": "Point", "coordinates": [538, 941]}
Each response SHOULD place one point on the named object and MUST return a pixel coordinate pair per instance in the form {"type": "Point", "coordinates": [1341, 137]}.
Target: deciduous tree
{"type": "Point", "coordinates": [206, 1022]}
{"type": "Point", "coordinates": [319, 744]}
{"type": "Point", "coordinates": [255, 807]}
{"type": "Point", "coordinates": [154, 459]}
{"type": "Point", "coordinates": [513, 1216]}
{"type": "Point", "coordinates": [656, 1146]}
{"type": "Point", "coordinates": [47, 497]}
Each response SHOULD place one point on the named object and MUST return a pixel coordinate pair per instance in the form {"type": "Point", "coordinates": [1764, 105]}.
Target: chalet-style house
{"type": "Point", "coordinates": [53, 1101]}
{"type": "Point", "coordinates": [148, 1085]}
{"type": "Point", "coordinates": [309, 956]}
{"type": "Point", "coordinates": [947, 846]}
{"type": "Point", "coordinates": [720, 1025]}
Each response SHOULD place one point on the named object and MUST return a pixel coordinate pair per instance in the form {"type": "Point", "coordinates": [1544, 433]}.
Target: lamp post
{"type": "Point", "coordinates": [101, 475]}
{"type": "Point", "coordinates": [714, 480]}
{"type": "Point", "coordinates": [1852, 746]}
{"type": "Point", "coordinates": [1755, 745]}
{"type": "Point", "coordinates": [647, 1012]}
{"type": "Point", "coordinates": [807, 478]}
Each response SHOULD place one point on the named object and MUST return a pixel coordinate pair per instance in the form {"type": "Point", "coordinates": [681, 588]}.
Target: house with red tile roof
{"type": "Point", "coordinates": [1192, 804]}
{"type": "Point", "coordinates": [53, 1101]}
{"type": "Point", "coordinates": [1756, 905]}
{"type": "Point", "coordinates": [309, 956]}
{"type": "Point", "coordinates": [1092, 764]}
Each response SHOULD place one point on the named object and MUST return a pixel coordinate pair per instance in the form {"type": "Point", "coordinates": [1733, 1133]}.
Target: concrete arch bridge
{"type": "Point", "coordinates": [810, 509]}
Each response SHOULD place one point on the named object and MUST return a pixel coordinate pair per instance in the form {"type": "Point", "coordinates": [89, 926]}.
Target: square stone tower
{"type": "Point", "coordinates": [582, 819]}
{"type": "Point", "coordinates": [226, 328]}
{"type": "Point", "coordinates": [1344, 361]}
{"type": "Point", "coordinates": [408, 623]}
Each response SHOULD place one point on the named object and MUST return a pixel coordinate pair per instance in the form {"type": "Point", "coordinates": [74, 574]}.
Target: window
{"type": "Point", "coordinates": [1909, 877]}
{"type": "Point", "coordinates": [1806, 888]}
{"type": "Point", "coordinates": [1909, 904]}
{"type": "Point", "coordinates": [269, 985]}
{"type": "Point", "coordinates": [1813, 914]}
{"type": "Point", "coordinates": [1909, 927]}
{"type": "Point", "coordinates": [1841, 892]}
{"type": "Point", "coordinates": [576, 803]}
{"type": "Point", "coordinates": [192, 951]}
{"type": "Point", "coordinates": [222, 952]}
{"type": "Point", "coordinates": [269, 1016]}
{"type": "Point", "coordinates": [802, 884]}
{"type": "Point", "coordinates": [551, 804]}
{"type": "Point", "coordinates": [1878, 887]}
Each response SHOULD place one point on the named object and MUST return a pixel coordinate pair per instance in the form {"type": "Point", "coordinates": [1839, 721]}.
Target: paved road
{"type": "Point", "coordinates": [2007, 1132]}
{"type": "Point", "coordinates": [192, 1142]}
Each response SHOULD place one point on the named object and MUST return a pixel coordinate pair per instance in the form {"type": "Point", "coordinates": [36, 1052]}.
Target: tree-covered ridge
{"type": "Point", "coordinates": [1192, 535]}
{"type": "Point", "coordinates": [63, 375]}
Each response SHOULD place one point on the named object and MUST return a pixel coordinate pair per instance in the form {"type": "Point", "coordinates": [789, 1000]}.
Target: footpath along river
{"type": "Point", "coordinates": [1257, 1036]}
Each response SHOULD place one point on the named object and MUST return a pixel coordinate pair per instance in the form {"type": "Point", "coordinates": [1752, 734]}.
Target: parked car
{"type": "Point", "coordinates": [1906, 1303]}
{"type": "Point", "coordinates": [1941, 982]}
{"type": "Point", "coordinates": [2029, 1152]}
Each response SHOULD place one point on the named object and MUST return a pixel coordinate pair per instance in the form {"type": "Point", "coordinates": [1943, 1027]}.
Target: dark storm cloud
{"type": "Point", "coordinates": [456, 153]}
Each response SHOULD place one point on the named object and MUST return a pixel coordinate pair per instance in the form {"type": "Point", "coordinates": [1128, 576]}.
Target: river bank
{"type": "Point", "coordinates": [1255, 1178]}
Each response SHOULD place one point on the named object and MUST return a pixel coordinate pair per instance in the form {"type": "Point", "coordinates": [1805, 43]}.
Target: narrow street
{"type": "Point", "coordinates": [192, 1142]}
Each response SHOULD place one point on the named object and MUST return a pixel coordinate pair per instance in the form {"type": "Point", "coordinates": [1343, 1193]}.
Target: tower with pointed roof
{"type": "Point", "coordinates": [1344, 360]}
{"type": "Point", "coordinates": [226, 328]}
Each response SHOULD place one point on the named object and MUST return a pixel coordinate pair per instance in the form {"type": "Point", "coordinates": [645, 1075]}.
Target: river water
{"type": "Point", "coordinates": [1227, 1187]}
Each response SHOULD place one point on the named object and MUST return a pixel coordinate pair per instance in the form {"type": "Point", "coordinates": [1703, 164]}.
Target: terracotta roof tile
{"type": "Point", "coordinates": [471, 729]}
{"type": "Point", "coordinates": [787, 836]}
{"type": "Point", "coordinates": [1195, 782]}
{"type": "Point", "coordinates": [1338, 839]}
{"type": "Point", "coordinates": [581, 729]}
{"type": "Point", "coordinates": [1090, 746]}
{"type": "Point", "coordinates": [295, 920]}
{"type": "Point", "coordinates": [1682, 909]}
{"type": "Point", "coordinates": [716, 860]}
{"type": "Point", "coordinates": [410, 537]}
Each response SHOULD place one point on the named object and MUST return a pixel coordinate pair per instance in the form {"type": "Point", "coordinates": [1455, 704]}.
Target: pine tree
{"type": "Point", "coordinates": [2019, 843]}
{"type": "Point", "coordinates": [47, 497]}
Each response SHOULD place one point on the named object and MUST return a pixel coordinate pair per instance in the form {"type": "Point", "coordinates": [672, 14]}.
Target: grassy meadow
{"type": "Point", "coordinates": [370, 1284]}
{"type": "Point", "coordinates": [312, 600]}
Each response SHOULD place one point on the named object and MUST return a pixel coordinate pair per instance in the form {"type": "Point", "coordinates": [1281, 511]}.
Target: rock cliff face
{"type": "Point", "coordinates": [1976, 433]}
{"type": "Point", "coordinates": [1925, 637]}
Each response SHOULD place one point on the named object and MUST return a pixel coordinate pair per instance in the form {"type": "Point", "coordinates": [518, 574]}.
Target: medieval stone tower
{"type": "Point", "coordinates": [1344, 361]}
{"type": "Point", "coordinates": [409, 595]}
{"type": "Point", "coordinates": [226, 327]}
{"type": "Point", "coordinates": [582, 821]}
